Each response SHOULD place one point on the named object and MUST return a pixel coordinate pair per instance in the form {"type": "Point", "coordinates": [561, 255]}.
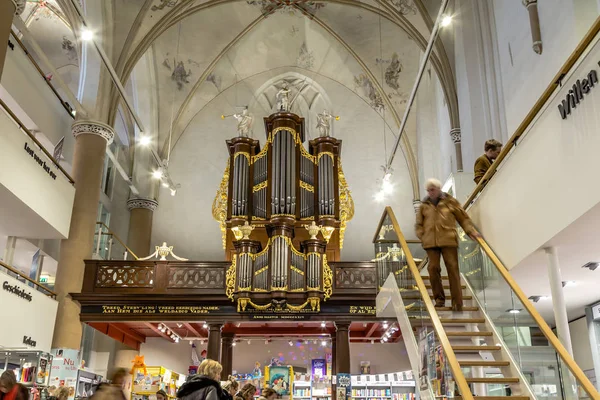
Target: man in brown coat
{"type": "Point", "coordinates": [492, 150]}
{"type": "Point", "coordinates": [436, 228]}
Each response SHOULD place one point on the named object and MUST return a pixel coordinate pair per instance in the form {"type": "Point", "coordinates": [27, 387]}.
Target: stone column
{"type": "Point", "coordinates": [456, 139]}
{"type": "Point", "coordinates": [534, 24]}
{"type": "Point", "coordinates": [213, 350]}
{"type": "Point", "coordinates": [333, 368]}
{"type": "Point", "coordinates": [91, 139]}
{"type": "Point", "coordinates": [342, 347]}
{"type": "Point", "coordinates": [140, 225]}
{"type": "Point", "coordinates": [227, 354]}
{"type": "Point", "coordinates": [8, 9]}
{"type": "Point", "coordinates": [558, 299]}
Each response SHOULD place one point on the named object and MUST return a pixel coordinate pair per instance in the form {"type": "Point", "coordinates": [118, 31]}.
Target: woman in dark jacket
{"type": "Point", "coordinates": [230, 387]}
{"type": "Point", "coordinates": [205, 385]}
{"type": "Point", "coordinates": [246, 393]}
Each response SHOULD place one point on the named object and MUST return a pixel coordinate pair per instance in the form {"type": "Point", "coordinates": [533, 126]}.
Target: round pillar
{"type": "Point", "coordinates": [139, 236]}
{"type": "Point", "coordinates": [342, 347]}
{"type": "Point", "coordinates": [227, 354]}
{"type": "Point", "coordinates": [8, 9]}
{"type": "Point", "coordinates": [213, 351]}
{"type": "Point", "coordinates": [91, 139]}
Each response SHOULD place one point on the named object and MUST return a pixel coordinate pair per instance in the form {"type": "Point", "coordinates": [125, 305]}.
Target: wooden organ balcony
{"type": "Point", "coordinates": [278, 190]}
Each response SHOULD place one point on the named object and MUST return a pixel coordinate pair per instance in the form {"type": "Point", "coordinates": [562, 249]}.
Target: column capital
{"type": "Point", "coordinates": [215, 326]}
{"type": "Point", "coordinates": [227, 336]}
{"type": "Point", "coordinates": [93, 128]}
{"type": "Point", "coordinates": [19, 6]}
{"type": "Point", "coordinates": [342, 325]}
{"type": "Point", "coordinates": [142, 202]}
{"type": "Point", "coordinates": [455, 135]}
{"type": "Point", "coordinates": [416, 205]}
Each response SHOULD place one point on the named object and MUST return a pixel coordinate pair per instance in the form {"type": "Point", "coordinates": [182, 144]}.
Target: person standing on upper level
{"type": "Point", "coordinates": [436, 228]}
{"type": "Point", "coordinates": [492, 150]}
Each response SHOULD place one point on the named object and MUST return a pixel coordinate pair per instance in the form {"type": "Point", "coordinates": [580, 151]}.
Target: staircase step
{"type": "Point", "coordinates": [492, 380]}
{"type": "Point", "coordinates": [468, 334]}
{"type": "Point", "coordinates": [462, 320]}
{"type": "Point", "coordinates": [446, 286]}
{"type": "Point", "coordinates": [418, 296]}
{"type": "Point", "coordinates": [470, 349]}
{"type": "Point", "coordinates": [483, 363]}
{"type": "Point", "coordinates": [465, 308]}
{"type": "Point", "coordinates": [496, 398]}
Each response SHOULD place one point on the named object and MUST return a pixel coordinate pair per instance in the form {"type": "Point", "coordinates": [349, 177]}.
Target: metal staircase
{"type": "Point", "coordinates": [487, 350]}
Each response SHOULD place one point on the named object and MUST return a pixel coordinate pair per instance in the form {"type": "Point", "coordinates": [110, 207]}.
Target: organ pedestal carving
{"type": "Point", "coordinates": [279, 189]}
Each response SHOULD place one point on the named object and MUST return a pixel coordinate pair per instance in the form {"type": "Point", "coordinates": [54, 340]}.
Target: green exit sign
{"type": "Point", "coordinates": [44, 279]}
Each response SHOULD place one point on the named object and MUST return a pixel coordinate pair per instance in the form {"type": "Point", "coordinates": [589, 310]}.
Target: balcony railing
{"type": "Point", "coordinates": [25, 279]}
{"type": "Point", "coordinates": [194, 278]}
{"type": "Point", "coordinates": [109, 246]}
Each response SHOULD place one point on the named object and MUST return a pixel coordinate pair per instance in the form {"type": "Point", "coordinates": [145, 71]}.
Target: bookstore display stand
{"type": "Point", "coordinates": [32, 368]}
{"type": "Point", "coordinates": [145, 386]}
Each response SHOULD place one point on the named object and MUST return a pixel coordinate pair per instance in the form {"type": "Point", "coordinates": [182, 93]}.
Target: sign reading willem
{"type": "Point", "coordinates": [575, 94]}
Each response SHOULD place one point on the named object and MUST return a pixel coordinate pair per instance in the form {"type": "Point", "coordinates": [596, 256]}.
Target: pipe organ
{"type": "Point", "coordinates": [276, 194]}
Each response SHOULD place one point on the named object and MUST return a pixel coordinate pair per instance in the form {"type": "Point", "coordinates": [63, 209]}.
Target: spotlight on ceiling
{"type": "Point", "coordinates": [513, 311]}
{"type": "Point", "coordinates": [446, 20]}
{"type": "Point", "coordinates": [591, 266]}
{"type": "Point", "coordinates": [323, 324]}
{"type": "Point", "coordinates": [87, 34]}
{"type": "Point", "coordinates": [173, 192]}
{"type": "Point", "coordinates": [234, 344]}
{"type": "Point", "coordinates": [145, 140]}
{"type": "Point", "coordinates": [385, 325]}
{"type": "Point", "coordinates": [205, 326]}
{"type": "Point", "coordinates": [291, 343]}
{"type": "Point", "coordinates": [385, 339]}
{"type": "Point", "coordinates": [249, 342]}
{"type": "Point", "coordinates": [535, 299]}
{"type": "Point", "coordinates": [324, 343]}
{"type": "Point", "coordinates": [569, 283]}
{"type": "Point", "coordinates": [157, 173]}
{"type": "Point", "coordinates": [379, 196]}
{"type": "Point", "coordinates": [372, 341]}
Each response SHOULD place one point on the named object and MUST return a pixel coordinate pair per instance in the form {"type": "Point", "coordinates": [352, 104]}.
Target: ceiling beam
{"type": "Point", "coordinates": [121, 327]}
{"type": "Point", "coordinates": [158, 332]}
{"type": "Point", "coordinates": [374, 326]}
{"type": "Point", "coordinates": [192, 330]}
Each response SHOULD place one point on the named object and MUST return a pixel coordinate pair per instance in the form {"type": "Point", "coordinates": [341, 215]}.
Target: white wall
{"type": "Point", "coordinates": [582, 352]}
{"type": "Point", "coordinates": [42, 204]}
{"type": "Point", "coordinates": [174, 356]}
{"type": "Point", "coordinates": [544, 184]}
{"type": "Point", "coordinates": [33, 318]}
{"type": "Point", "coordinates": [388, 357]}
{"type": "Point", "coordinates": [526, 74]}
{"type": "Point", "coordinates": [25, 85]}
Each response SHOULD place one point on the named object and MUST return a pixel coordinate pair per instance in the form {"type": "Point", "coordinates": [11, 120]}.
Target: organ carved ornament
{"type": "Point", "coordinates": [268, 194]}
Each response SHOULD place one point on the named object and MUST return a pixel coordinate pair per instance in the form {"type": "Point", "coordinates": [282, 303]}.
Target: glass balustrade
{"type": "Point", "coordinates": [538, 360]}
{"type": "Point", "coordinates": [108, 246]}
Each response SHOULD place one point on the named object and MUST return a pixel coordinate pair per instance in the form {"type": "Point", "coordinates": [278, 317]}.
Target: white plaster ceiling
{"type": "Point", "coordinates": [187, 62]}
{"type": "Point", "coordinates": [290, 46]}
{"type": "Point", "coordinates": [577, 244]}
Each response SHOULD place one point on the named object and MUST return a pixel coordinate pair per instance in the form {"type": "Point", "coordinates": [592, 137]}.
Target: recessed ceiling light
{"type": "Point", "coordinates": [446, 20]}
{"type": "Point", "coordinates": [86, 34]}
{"type": "Point", "coordinates": [513, 311]}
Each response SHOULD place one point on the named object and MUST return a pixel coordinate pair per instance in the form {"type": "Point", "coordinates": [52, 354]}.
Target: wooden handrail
{"type": "Point", "coordinates": [118, 240]}
{"type": "Point", "coordinates": [459, 378]}
{"type": "Point", "coordinates": [36, 65]}
{"type": "Point", "coordinates": [539, 320]}
{"type": "Point", "coordinates": [28, 279]}
{"type": "Point", "coordinates": [537, 107]}
{"type": "Point", "coordinates": [37, 142]}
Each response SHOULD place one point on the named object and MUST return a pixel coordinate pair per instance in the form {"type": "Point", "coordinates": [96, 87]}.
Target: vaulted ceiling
{"type": "Point", "coordinates": [187, 62]}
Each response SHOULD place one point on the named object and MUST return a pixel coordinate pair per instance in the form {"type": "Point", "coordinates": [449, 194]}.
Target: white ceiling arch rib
{"type": "Point", "coordinates": [180, 11]}
{"type": "Point", "coordinates": [407, 149]}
